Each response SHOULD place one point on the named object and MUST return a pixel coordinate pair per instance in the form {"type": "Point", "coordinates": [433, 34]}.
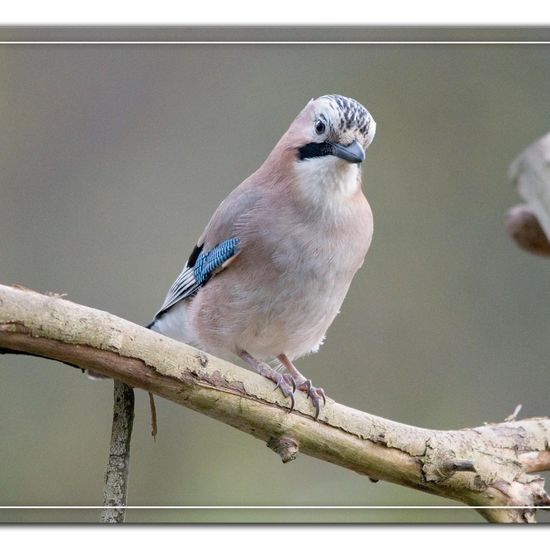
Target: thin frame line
{"type": "Point", "coordinates": [269, 43]}
{"type": "Point", "coordinates": [274, 42]}
{"type": "Point", "coordinates": [267, 507]}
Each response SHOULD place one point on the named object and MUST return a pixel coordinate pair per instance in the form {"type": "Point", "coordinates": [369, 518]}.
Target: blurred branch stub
{"type": "Point", "coordinates": [490, 466]}
{"type": "Point", "coordinates": [529, 224]}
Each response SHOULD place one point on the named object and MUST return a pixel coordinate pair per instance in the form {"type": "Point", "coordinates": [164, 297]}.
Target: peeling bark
{"type": "Point", "coordinates": [484, 466]}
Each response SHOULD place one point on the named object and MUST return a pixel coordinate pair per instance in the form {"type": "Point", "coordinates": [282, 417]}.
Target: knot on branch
{"type": "Point", "coordinates": [286, 447]}
{"type": "Point", "coordinates": [449, 467]}
{"type": "Point", "coordinates": [441, 464]}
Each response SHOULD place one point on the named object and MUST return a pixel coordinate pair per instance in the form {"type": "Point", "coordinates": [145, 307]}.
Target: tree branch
{"type": "Point", "coordinates": [477, 466]}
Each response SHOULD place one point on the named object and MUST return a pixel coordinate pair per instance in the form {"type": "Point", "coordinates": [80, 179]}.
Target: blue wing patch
{"type": "Point", "coordinates": [208, 262]}
{"type": "Point", "coordinates": [200, 267]}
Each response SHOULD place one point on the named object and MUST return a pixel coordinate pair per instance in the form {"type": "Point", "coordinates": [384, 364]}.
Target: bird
{"type": "Point", "coordinates": [271, 269]}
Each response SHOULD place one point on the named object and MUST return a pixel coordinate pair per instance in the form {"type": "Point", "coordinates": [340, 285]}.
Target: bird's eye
{"type": "Point", "coordinates": [320, 127]}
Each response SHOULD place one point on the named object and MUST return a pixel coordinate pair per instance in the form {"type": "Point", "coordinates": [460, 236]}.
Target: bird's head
{"type": "Point", "coordinates": [332, 127]}
{"type": "Point", "coordinates": [325, 145]}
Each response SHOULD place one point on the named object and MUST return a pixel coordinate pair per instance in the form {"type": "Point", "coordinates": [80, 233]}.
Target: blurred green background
{"type": "Point", "coordinates": [113, 158]}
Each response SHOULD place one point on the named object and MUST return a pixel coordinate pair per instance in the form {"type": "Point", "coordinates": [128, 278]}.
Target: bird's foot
{"type": "Point", "coordinates": [315, 394]}
{"type": "Point", "coordinates": [283, 382]}
{"type": "Point", "coordinates": [286, 384]}
{"type": "Point", "coordinates": [303, 384]}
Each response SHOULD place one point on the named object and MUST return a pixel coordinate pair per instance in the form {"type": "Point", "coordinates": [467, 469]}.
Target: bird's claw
{"type": "Point", "coordinates": [322, 394]}
{"type": "Point", "coordinates": [288, 386]}
{"type": "Point", "coordinates": [316, 399]}
{"type": "Point", "coordinates": [285, 386]}
{"type": "Point", "coordinates": [289, 378]}
{"type": "Point", "coordinates": [315, 394]}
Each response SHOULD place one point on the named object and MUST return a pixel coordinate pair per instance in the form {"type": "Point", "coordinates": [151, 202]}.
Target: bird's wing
{"type": "Point", "coordinates": [200, 267]}
{"type": "Point", "coordinates": [218, 246]}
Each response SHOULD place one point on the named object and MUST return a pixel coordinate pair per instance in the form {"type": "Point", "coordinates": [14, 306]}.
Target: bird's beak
{"type": "Point", "coordinates": [352, 153]}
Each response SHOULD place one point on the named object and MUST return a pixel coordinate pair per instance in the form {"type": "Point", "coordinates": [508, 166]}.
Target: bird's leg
{"type": "Point", "coordinates": [284, 382]}
{"type": "Point", "coordinates": [302, 383]}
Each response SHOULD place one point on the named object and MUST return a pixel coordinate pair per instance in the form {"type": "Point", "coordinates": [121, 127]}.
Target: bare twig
{"type": "Point", "coordinates": [154, 426]}
{"type": "Point", "coordinates": [477, 466]}
{"type": "Point", "coordinates": [116, 475]}
{"type": "Point", "coordinates": [514, 415]}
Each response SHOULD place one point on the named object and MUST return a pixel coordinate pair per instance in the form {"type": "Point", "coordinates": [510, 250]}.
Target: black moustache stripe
{"type": "Point", "coordinates": [313, 150]}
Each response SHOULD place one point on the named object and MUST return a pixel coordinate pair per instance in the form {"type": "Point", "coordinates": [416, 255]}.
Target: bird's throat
{"type": "Point", "coordinates": [327, 181]}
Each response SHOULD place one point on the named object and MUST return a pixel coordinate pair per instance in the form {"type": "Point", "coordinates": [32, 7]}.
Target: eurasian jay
{"type": "Point", "coordinates": [273, 266]}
